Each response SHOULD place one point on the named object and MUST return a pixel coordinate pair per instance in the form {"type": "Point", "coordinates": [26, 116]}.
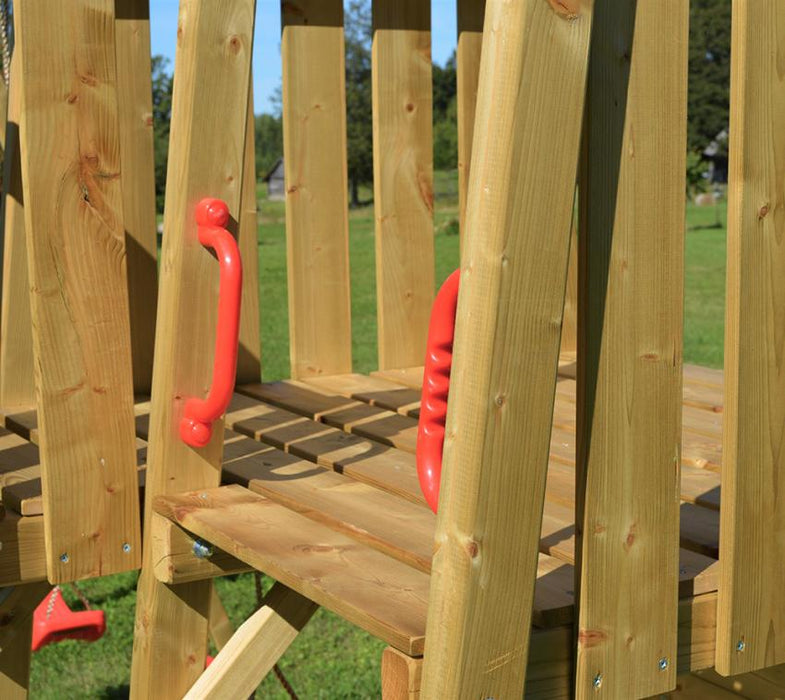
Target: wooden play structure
{"type": "Point", "coordinates": [579, 547]}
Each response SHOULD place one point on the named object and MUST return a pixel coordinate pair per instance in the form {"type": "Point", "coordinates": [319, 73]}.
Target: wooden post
{"type": "Point", "coordinates": [249, 365]}
{"type": "Point", "coordinates": [630, 349]}
{"type": "Point", "coordinates": [213, 74]}
{"type": "Point", "coordinates": [529, 114]}
{"type": "Point", "coordinates": [317, 220]}
{"type": "Point", "coordinates": [70, 157]}
{"type": "Point", "coordinates": [569, 328]}
{"type": "Point", "coordinates": [403, 178]}
{"type": "Point", "coordinates": [135, 107]}
{"type": "Point", "coordinates": [401, 675]}
{"type": "Point", "coordinates": [751, 612]}
{"type": "Point", "coordinates": [17, 383]}
{"type": "Point", "coordinates": [471, 14]}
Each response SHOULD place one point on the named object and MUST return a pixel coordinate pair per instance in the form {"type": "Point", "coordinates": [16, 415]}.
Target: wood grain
{"type": "Point", "coordinates": [630, 350]}
{"type": "Point", "coordinates": [70, 154]}
{"type": "Point", "coordinates": [135, 108]}
{"type": "Point", "coordinates": [213, 64]}
{"type": "Point", "coordinates": [403, 178]}
{"type": "Point", "coordinates": [529, 114]}
{"type": "Point", "coordinates": [751, 615]}
{"type": "Point", "coordinates": [317, 222]}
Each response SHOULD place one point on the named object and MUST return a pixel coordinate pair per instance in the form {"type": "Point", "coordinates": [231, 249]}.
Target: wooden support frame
{"type": "Point", "coordinates": [630, 349]}
{"type": "Point", "coordinates": [317, 219]}
{"type": "Point", "coordinates": [471, 14]}
{"type": "Point", "coordinates": [215, 41]}
{"type": "Point", "coordinates": [506, 347]}
{"type": "Point", "coordinates": [70, 155]}
{"type": "Point", "coordinates": [402, 87]}
{"type": "Point", "coordinates": [751, 615]}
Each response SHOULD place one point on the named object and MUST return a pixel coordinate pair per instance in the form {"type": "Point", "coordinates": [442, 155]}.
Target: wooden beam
{"type": "Point", "coordinates": [403, 178]}
{"type": "Point", "coordinates": [17, 383]}
{"type": "Point", "coordinates": [751, 617]}
{"type": "Point", "coordinates": [630, 349]}
{"type": "Point", "coordinates": [401, 675]}
{"type": "Point", "coordinates": [70, 154]}
{"type": "Point", "coordinates": [213, 75]}
{"type": "Point", "coordinates": [317, 220]}
{"type": "Point", "coordinates": [135, 108]}
{"type": "Point", "coordinates": [22, 557]}
{"type": "Point", "coordinates": [569, 326]}
{"type": "Point", "coordinates": [221, 629]}
{"type": "Point", "coordinates": [249, 363]}
{"type": "Point", "coordinates": [471, 14]}
{"type": "Point", "coordinates": [529, 114]}
{"type": "Point", "coordinates": [255, 648]}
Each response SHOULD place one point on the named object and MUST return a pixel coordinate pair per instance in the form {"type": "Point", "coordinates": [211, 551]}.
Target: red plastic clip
{"type": "Point", "coordinates": [435, 389]}
{"type": "Point", "coordinates": [196, 426]}
{"type": "Point", "coordinates": [54, 621]}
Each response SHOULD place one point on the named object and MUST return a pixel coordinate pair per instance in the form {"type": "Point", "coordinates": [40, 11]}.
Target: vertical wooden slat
{"type": "Point", "coordinates": [471, 14]}
{"type": "Point", "coordinates": [211, 87]}
{"type": "Point", "coordinates": [630, 346]}
{"type": "Point", "coordinates": [134, 97]}
{"type": "Point", "coordinates": [529, 113]}
{"type": "Point", "coordinates": [17, 383]}
{"type": "Point", "coordinates": [751, 608]}
{"type": "Point", "coordinates": [249, 368]}
{"type": "Point", "coordinates": [317, 223]}
{"type": "Point", "coordinates": [70, 156]}
{"type": "Point", "coordinates": [403, 178]}
{"type": "Point", "coordinates": [569, 328]}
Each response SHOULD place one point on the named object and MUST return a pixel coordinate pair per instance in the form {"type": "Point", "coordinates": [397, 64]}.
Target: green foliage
{"type": "Point", "coordinates": [445, 116]}
{"type": "Point", "coordinates": [269, 142]}
{"type": "Point", "coordinates": [162, 115]}
{"type": "Point", "coordinates": [709, 71]}
{"type": "Point", "coordinates": [696, 169]}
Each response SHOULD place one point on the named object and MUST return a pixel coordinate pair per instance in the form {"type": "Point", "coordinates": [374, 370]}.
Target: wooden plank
{"type": "Point", "coordinates": [403, 178]}
{"type": "Point", "coordinates": [751, 615]}
{"type": "Point", "coordinates": [629, 361]}
{"type": "Point", "coordinates": [254, 649]}
{"type": "Point", "coordinates": [215, 42]}
{"type": "Point", "coordinates": [569, 324]}
{"type": "Point", "coordinates": [506, 352]}
{"type": "Point", "coordinates": [692, 687]}
{"type": "Point", "coordinates": [249, 358]}
{"type": "Point", "coordinates": [221, 629]}
{"type": "Point", "coordinates": [17, 383]}
{"type": "Point", "coordinates": [135, 109]}
{"type": "Point", "coordinates": [471, 14]}
{"type": "Point", "coordinates": [401, 675]}
{"type": "Point", "coordinates": [764, 685]}
{"type": "Point", "coordinates": [317, 222]}
{"type": "Point", "coordinates": [375, 592]}
{"type": "Point", "coordinates": [70, 157]}
{"type": "Point", "coordinates": [407, 376]}
{"type": "Point", "coordinates": [22, 558]}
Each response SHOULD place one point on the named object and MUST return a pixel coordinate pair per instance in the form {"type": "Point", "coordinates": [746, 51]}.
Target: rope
{"type": "Point", "coordinates": [276, 669]}
{"type": "Point", "coordinates": [51, 604]}
{"type": "Point", "coordinates": [5, 43]}
{"type": "Point", "coordinates": [80, 594]}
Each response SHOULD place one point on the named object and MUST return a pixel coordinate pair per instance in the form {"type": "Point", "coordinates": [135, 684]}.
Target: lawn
{"type": "Point", "coordinates": [331, 659]}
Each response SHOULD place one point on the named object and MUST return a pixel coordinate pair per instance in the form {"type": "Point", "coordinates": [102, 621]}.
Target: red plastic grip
{"type": "Point", "coordinates": [435, 389]}
{"type": "Point", "coordinates": [196, 426]}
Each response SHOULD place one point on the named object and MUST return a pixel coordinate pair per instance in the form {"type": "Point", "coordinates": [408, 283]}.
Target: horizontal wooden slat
{"type": "Point", "coordinates": [22, 557]}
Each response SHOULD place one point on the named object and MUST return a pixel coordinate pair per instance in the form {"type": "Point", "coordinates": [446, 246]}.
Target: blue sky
{"type": "Point", "coordinates": [267, 55]}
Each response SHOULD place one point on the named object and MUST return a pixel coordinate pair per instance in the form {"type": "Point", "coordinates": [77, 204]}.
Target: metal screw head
{"type": "Point", "coordinates": [740, 645]}
{"type": "Point", "coordinates": [663, 663]}
{"type": "Point", "coordinates": [126, 547]}
{"type": "Point", "coordinates": [202, 550]}
{"type": "Point", "coordinates": [64, 557]}
{"type": "Point", "coordinates": [597, 682]}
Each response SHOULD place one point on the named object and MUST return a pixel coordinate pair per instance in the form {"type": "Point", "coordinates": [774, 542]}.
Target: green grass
{"type": "Point", "coordinates": [331, 659]}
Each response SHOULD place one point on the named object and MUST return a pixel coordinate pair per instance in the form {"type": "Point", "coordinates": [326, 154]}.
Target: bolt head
{"type": "Point", "coordinates": [126, 547]}
{"type": "Point", "coordinates": [663, 663]}
{"type": "Point", "coordinates": [64, 557]}
{"type": "Point", "coordinates": [741, 645]}
{"type": "Point", "coordinates": [597, 682]}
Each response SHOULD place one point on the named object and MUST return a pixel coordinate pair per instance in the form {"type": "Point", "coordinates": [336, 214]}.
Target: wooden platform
{"type": "Point", "coordinates": [322, 494]}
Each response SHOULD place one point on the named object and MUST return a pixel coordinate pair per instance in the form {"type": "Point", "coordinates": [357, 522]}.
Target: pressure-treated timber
{"type": "Point", "coordinates": [630, 349]}
{"type": "Point", "coordinates": [401, 675]}
{"type": "Point", "coordinates": [471, 14]}
{"type": "Point", "coordinates": [530, 107]}
{"type": "Point", "coordinates": [751, 615]}
{"type": "Point", "coordinates": [569, 326]}
{"type": "Point", "coordinates": [317, 223]}
{"type": "Point", "coordinates": [249, 367]}
{"type": "Point", "coordinates": [17, 383]}
{"type": "Point", "coordinates": [403, 178]}
{"type": "Point", "coordinates": [135, 108]}
{"type": "Point", "coordinates": [22, 558]}
{"type": "Point", "coordinates": [70, 154]}
{"type": "Point", "coordinates": [255, 647]}
{"type": "Point", "coordinates": [213, 75]}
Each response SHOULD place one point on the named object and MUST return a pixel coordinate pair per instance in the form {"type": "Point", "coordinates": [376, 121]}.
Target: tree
{"type": "Point", "coordinates": [269, 142]}
{"type": "Point", "coordinates": [359, 126]}
{"type": "Point", "coordinates": [445, 116]}
{"type": "Point", "coordinates": [162, 115]}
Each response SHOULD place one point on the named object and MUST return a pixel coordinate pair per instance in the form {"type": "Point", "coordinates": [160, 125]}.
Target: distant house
{"type": "Point", "coordinates": [275, 183]}
{"type": "Point", "coordinates": [716, 155]}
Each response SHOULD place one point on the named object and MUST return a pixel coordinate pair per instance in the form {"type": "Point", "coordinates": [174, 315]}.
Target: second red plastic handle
{"type": "Point", "coordinates": [196, 426]}
{"type": "Point", "coordinates": [435, 389]}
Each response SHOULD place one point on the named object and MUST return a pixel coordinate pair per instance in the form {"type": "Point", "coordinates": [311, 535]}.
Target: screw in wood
{"type": "Point", "coordinates": [597, 682]}
{"type": "Point", "coordinates": [202, 550]}
{"type": "Point", "coordinates": [126, 547]}
{"type": "Point", "coordinates": [64, 557]}
{"type": "Point", "coordinates": [663, 663]}
{"type": "Point", "coordinates": [740, 645]}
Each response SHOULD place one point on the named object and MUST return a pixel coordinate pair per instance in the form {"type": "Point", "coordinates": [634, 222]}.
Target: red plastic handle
{"type": "Point", "coordinates": [196, 426]}
{"type": "Point", "coordinates": [435, 389]}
